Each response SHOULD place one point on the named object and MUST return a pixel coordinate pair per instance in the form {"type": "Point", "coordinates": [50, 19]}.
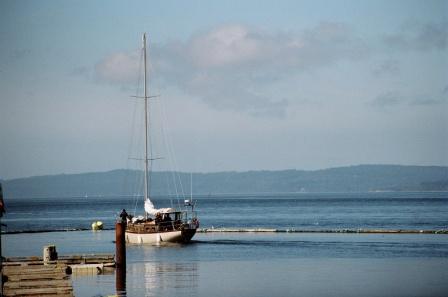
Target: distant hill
{"type": "Point", "coordinates": [360, 178]}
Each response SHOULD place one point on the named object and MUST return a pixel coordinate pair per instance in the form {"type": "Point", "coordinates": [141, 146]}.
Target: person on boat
{"type": "Point", "coordinates": [158, 217]}
{"type": "Point", "coordinates": [124, 215]}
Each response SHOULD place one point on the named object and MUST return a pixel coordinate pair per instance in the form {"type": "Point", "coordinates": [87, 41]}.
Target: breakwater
{"type": "Point", "coordinates": [265, 230]}
{"type": "Point", "coordinates": [292, 230]}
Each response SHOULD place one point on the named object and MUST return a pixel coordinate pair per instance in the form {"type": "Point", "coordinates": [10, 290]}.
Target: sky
{"type": "Point", "coordinates": [240, 85]}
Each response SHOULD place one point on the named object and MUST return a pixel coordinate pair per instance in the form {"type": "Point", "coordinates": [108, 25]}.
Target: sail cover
{"type": "Point", "coordinates": [149, 208]}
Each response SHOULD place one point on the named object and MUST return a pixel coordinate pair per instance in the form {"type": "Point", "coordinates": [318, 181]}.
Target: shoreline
{"type": "Point", "coordinates": [262, 230]}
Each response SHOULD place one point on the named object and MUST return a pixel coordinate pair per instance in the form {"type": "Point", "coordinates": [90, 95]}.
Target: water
{"type": "Point", "coordinates": [257, 264]}
{"type": "Point", "coordinates": [254, 264]}
{"type": "Point", "coordinates": [420, 211]}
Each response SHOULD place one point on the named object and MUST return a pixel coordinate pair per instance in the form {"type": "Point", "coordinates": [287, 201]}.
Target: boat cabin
{"type": "Point", "coordinates": [163, 221]}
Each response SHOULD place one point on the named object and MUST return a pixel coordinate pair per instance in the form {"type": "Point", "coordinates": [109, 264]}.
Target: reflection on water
{"type": "Point", "coordinates": [163, 279]}
{"type": "Point", "coordinates": [142, 279]}
{"type": "Point", "coordinates": [260, 265]}
{"type": "Point", "coordinates": [120, 281]}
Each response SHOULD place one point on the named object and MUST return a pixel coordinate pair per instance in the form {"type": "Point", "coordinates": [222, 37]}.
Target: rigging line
{"type": "Point", "coordinates": [170, 153]}
{"type": "Point", "coordinates": [151, 139]}
{"type": "Point", "coordinates": [174, 171]}
{"type": "Point", "coordinates": [168, 186]}
{"type": "Point", "coordinates": [149, 159]}
{"type": "Point", "coordinates": [130, 145]}
{"type": "Point", "coordinates": [164, 147]}
{"type": "Point", "coordinates": [171, 147]}
{"type": "Point", "coordinates": [167, 148]}
{"type": "Point", "coordinates": [178, 202]}
{"type": "Point", "coordinates": [147, 97]}
{"type": "Point", "coordinates": [177, 173]}
{"type": "Point", "coordinates": [139, 178]}
{"type": "Point", "coordinates": [131, 142]}
{"type": "Point", "coordinates": [136, 179]}
{"type": "Point", "coordinates": [138, 184]}
{"type": "Point", "coordinates": [136, 194]}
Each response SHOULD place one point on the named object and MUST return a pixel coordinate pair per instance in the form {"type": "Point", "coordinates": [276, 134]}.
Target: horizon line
{"type": "Point", "coordinates": [223, 171]}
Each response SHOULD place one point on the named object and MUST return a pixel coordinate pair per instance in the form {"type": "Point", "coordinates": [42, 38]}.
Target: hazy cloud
{"type": "Point", "coordinates": [242, 46]}
{"type": "Point", "coordinates": [387, 67]}
{"type": "Point", "coordinates": [439, 98]}
{"type": "Point", "coordinates": [227, 46]}
{"type": "Point", "coordinates": [387, 99]}
{"type": "Point", "coordinates": [427, 101]}
{"type": "Point", "coordinates": [80, 71]}
{"type": "Point", "coordinates": [232, 66]}
{"type": "Point", "coordinates": [393, 98]}
{"type": "Point", "coordinates": [20, 53]}
{"type": "Point", "coordinates": [418, 36]}
{"type": "Point", "coordinates": [122, 68]}
{"type": "Point", "coordinates": [445, 90]}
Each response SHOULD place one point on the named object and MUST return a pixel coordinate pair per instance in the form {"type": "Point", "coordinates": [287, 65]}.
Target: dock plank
{"type": "Point", "coordinates": [29, 276]}
{"type": "Point", "coordinates": [47, 277]}
{"type": "Point", "coordinates": [37, 280]}
{"type": "Point", "coordinates": [26, 270]}
{"type": "Point", "coordinates": [27, 284]}
{"type": "Point", "coordinates": [39, 291]}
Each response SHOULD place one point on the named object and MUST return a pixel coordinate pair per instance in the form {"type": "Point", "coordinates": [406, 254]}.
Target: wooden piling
{"type": "Point", "coordinates": [120, 245]}
{"type": "Point", "coordinates": [120, 257]}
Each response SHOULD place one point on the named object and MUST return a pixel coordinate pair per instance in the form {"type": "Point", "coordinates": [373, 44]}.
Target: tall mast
{"type": "Point", "coordinates": [146, 120]}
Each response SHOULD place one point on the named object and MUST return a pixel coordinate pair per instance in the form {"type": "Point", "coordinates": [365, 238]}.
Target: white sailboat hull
{"type": "Point", "coordinates": [154, 238]}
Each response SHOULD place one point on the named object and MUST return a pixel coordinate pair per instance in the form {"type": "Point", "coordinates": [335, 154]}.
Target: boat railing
{"type": "Point", "coordinates": [169, 225]}
{"type": "Point", "coordinates": [177, 225]}
{"type": "Point", "coordinates": [188, 216]}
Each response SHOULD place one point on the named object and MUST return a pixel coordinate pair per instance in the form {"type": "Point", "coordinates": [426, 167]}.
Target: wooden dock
{"type": "Point", "coordinates": [29, 276]}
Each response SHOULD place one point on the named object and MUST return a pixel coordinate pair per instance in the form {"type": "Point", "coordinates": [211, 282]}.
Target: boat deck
{"type": "Point", "coordinates": [152, 227]}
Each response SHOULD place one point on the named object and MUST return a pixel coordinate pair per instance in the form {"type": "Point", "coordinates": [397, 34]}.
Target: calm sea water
{"type": "Point", "coordinates": [257, 264]}
{"type": "Point", "coordinates": [428, 210]}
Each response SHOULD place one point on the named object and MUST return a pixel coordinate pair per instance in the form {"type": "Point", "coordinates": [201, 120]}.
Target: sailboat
{"type": "Point", "coordinates": [159, 224]}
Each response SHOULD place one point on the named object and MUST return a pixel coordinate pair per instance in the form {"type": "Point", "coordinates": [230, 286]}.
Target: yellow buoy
{"type": "Point", "coordinates": [98, 225]}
